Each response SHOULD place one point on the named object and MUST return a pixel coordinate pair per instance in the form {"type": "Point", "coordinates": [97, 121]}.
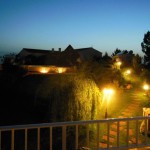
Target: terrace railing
{"type": "Point", "coordinates": [113, 133]}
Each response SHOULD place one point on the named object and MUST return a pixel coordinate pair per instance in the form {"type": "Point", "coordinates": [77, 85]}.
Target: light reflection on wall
{"type": "Point", "coordinates": [44, 70]}
{"type": "Point", "coordinates": [61, 70]}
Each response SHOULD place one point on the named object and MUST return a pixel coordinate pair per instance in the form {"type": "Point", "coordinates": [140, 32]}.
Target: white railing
{"type": "Point", "coordinates": [113, 133]}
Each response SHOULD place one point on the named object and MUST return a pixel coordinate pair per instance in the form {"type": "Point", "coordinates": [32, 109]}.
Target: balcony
{"type": "Point", "coordinates": [114, 133]}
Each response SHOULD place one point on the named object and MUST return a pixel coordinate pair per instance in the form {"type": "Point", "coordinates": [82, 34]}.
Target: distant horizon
{"type": "Point", "coordinates": [2, 53]}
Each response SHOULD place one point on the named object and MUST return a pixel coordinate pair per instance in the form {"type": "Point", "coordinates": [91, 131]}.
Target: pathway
{"type": "Point", "coordinates": [128, 112]}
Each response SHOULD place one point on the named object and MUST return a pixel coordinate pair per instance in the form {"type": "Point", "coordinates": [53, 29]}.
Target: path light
{"type": "Point", "coordinates": [44, 70]}
{"type": "Point", "coordinates": [128, 72]}
{"type": "Point", "coordinates": [118, 64]}
{"type": "Point", "coordinates": [146, 88]}
{"type": "Point", "coordinates": [61, 70]}
{"type": "Point", "coordinates": [107, 95]}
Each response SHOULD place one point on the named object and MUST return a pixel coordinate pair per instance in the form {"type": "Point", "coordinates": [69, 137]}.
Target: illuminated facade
{"type": "Point", "coordinates": [51, 61]}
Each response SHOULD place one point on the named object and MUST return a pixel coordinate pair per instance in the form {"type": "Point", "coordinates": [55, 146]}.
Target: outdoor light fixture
{"type": "Point", "coordinates": [107, 95]}
{"type": "Point", "coordinates": [118, 64]}
{"type": "Point", "coordinates": [61, 70]}
{"type": "Point", "coordinates": [128, 72]}
{"type": "Point", "coordinates": [146, 87]}
{"type": "Point", "coordinates": [44, 70]}
{"type": "Point", "coordinates": [108, 92]}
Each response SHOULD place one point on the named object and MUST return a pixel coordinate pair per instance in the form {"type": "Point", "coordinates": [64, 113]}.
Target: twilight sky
{"type": "Point", "coordinates": [45, 24]}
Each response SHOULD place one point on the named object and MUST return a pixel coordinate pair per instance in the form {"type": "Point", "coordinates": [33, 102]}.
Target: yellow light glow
{"type": "Point", "coordinates": [44, 70]}
{"type": "Point", "coordinates": [108, 91]}
{"type": "Point", "coordinates": [128, 71]}
{"type": "Point", "coordinates": [61, 70]}
{"type": "Point", "coordinates": [119, 63]}
{"type": "Point", "coordinates": [146, 87]}
{"type": "Point", "coordinates": [106, 98]}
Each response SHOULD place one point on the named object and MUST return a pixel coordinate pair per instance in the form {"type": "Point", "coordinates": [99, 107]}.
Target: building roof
{"type": "Point", "coordinates": [31, 50]}
{"type": "Point", "coordinates": [69, 48]}
{"type": "Point", "coordinates": [68, 57]}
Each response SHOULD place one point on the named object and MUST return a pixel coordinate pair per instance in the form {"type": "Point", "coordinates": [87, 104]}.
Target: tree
{"type": "Point", "coordinates": [106, 57]}
{"type": "Point", "coordinates": [116, 52]}
{"type": "Point", "coordinates": [8, 59]}
{"type": "Point", "coordinates": [136, 63]}
{"type": "Point", "coordinates": [130, 52]}
{"type": "Point", "coordinates": [146, 47]}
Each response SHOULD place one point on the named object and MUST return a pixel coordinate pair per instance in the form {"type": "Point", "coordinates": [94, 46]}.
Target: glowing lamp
{"type": "Point", "coordinates": [128, 72]}
{"type": "Point", "coordinates": [44, 70]}
{"type": "Point", "coordinates": [108, 91]}
{"type": "Point", "coordinates": [107, 95]}
{"type": "Point", "coordinates": [119, 63]}
{"type": "Point", "coordinates": [61, 70]}
{"type": "Point", "coordinates": [146, 87]}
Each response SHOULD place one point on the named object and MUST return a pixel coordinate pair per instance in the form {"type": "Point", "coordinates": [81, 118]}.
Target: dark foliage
{"type": "Point", "coordinates": [146, 47]}
{"type": "Point", "coordinates": [47, 98]}
{"type": "Point", "coordinates": [116, 52]}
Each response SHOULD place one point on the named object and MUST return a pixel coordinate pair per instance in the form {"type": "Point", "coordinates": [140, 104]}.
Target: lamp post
{"type": "Point", "coordinates": [107, 95]}
{"type": "Point", "coordinates": [146, 88]}
{"type": "Point", "coordinates": [128, 72]}
{"type": "Point", "coordinates": [118, 64]}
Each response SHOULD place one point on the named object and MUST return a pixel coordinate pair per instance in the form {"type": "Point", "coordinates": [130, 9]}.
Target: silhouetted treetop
{"type": "Point", "coordinates": [118, 51]}
{"type": "Point", "coordinates": [146, 46]}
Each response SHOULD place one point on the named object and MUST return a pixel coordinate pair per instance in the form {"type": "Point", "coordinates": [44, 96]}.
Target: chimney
{"type": "Point", "coordinates": [59, 49]}
{"type": "Point", "coordinates": [52, 49]}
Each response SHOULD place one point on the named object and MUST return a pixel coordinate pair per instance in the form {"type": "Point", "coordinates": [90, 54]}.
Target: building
{"type": "Point", "coordinates": [52, 61]}
{"type": "Point", "coordinates": [124, 58]}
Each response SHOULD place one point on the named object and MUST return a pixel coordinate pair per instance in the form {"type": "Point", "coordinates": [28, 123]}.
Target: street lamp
{"type": "Point", "coordinates": [146, 88]}
{"type": "Point", "coordinates": [118, 64]}
{"type": "Point", "coordinates": [128, 72]}
{"type": "Point", "coordinates": [107, 95]}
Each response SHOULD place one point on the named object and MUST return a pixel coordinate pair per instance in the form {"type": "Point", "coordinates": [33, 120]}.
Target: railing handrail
{"type": "Point", "coordinates": [102, 140]}
{"type": "Point", "coordinates": [59, 124]}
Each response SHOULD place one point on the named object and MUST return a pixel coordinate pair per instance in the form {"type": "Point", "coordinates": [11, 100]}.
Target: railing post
{"type": "Point", "coordinates": [87, 135]}
{"type": "Point", "coordinates": [77, 136]}
{"type": "Point", "coordinates": [38, 138]}
{"type": "Point", "coordinates": [26, 139]}
{"type": "Point", "coordinates": [146, 130]}
{"type": "Point", "coordinates": [137, 135]}
{"type": "Point", "coordinates": [12, 139]}
{"type": "Point", "coordinates": [51, 137]}
{"type": "Point", "coordinates": [118, 133]}
{"type": "Point", "coordinates": [108, 134]}
{"type": "Point", "coordinates": [127, 133]}
{"type": "Point", "coordinates": [64, 137]}
{"type": "Point", "coordinates": [98, 132]}
{"type": "Point", "coordinates": [0, 140]}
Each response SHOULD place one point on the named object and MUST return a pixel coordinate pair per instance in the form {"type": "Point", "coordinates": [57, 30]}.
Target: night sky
{"type": "Point", "coordinates": [45, 24]}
